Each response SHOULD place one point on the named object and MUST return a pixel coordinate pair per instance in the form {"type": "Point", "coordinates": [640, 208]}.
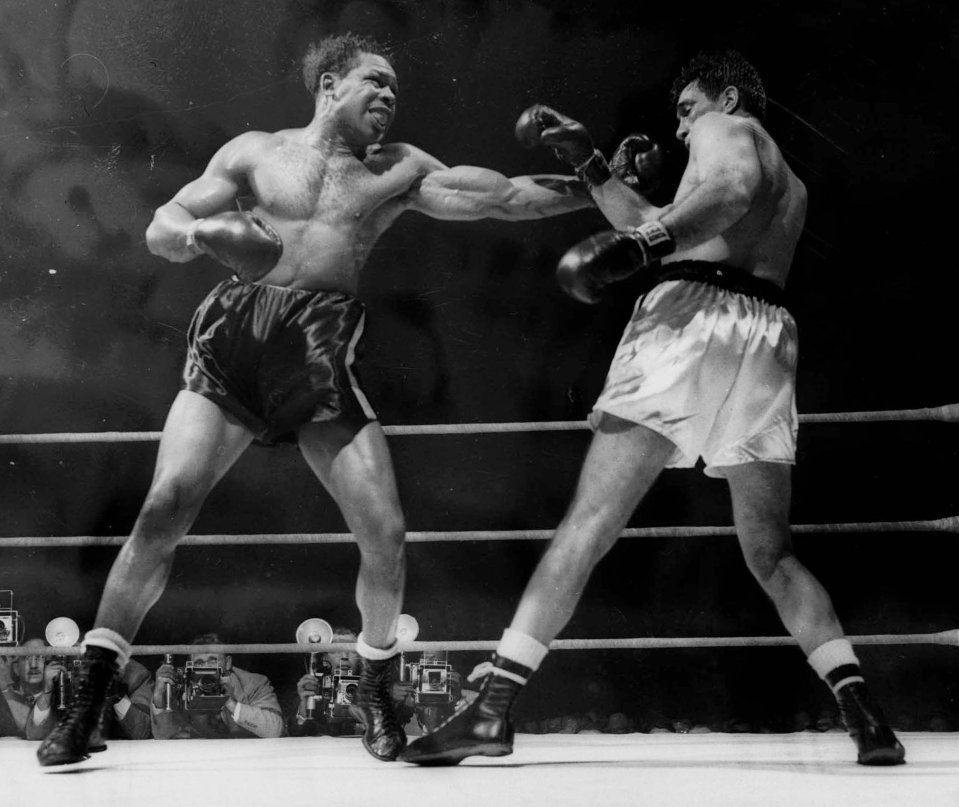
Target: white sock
{"type": "Point", "coordinates": [832, 655]}
{"type": "Point", "coordinates": [375, 653]}
{"type": "Point", "coordinates": [521, 648]}
{"type": "Point", "coordinates": [108, 640]}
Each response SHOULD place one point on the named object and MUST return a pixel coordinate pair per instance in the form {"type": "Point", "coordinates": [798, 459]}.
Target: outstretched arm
{"type": "Point", "coordinates": [466, 193]}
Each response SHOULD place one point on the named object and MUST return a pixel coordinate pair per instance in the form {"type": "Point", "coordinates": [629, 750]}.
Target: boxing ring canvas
{"type": "Point", "coordinates": [483, 372]}
{"type": "Point", "coordinates": [621, 770]}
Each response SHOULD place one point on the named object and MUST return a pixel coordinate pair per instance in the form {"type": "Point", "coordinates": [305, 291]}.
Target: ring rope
{"type": "Point", "coordinates": [946, 637]}
{"type": "Point", "coordinates": [948, 413]}
{"type": "Point", "coordinates": [950, 525]}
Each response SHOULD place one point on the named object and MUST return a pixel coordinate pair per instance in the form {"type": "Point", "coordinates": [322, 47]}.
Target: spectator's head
{"type": "Point", "coordinates": [343, 658]}
{"type": "Point", "coordinates": [29, 669]}
{"type": "Point", "coordinates": [208, 659]}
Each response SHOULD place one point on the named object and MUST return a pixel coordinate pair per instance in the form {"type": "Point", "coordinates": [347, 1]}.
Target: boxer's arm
{"type": "Point", "coordinates": [215, 191]}
{"type": "Point", "coordinates": [623, 207]}
{"type": "Point", "coordinates": [465, 193]}
{"type": "Point", "coordinates": [728, 176]}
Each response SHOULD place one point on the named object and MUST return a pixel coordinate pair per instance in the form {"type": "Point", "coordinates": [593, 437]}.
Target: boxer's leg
{"type": "Point", "coordinates": [761, 494]}
{"type": "Point", "coordinates": [199, 443]}
{"type": "Point", "coordinates": [622, 463]}
{"type": "Point", "coordinates": [357, 471]}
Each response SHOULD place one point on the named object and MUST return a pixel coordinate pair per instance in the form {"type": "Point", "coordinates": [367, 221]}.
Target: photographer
{"type": "Point", "coordinates": [209, 698]}
{"type": "Point", "coordinates": [29, 685]}
{"type": "Point", "coordinates": [314, 714]}
{"type": "Point", "coordinates": [34, 697]}
{"type": "Point", "coordinates": [21, 684]}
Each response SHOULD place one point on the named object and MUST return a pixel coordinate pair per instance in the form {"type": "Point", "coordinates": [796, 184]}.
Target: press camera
{"type": "Point", "coordinates": [9, 620]}
{"type": "Point", "coordinates": [199, 687]}
{"type": "Point", "coordinates": [338, 690]}
{"type": "Point", "coordinates": [431, 675]}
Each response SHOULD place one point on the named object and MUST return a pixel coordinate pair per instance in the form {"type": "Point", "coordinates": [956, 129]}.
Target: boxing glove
{"type": "Point", "coordinates": [239, 240]}
{"type": "Point", "coordinates": [569, 140]}
{"type": "Point", "coordinates": [639, 163]}
{"type": "Point", "coordinates": [607, 257]}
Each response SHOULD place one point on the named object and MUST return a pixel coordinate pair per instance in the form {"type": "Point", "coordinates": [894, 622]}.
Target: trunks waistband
{"type": "Point", "coordinates": [725, 277]}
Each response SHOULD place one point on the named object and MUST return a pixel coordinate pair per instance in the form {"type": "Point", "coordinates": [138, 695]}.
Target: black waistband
{"type": "Point", "coordinates": [725, 277]}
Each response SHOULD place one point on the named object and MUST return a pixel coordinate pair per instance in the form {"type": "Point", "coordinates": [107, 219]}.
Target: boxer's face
{"type": "Point", "coordinates": [367, 96]}
{"type": "Point", "coordinates": [691, 104]}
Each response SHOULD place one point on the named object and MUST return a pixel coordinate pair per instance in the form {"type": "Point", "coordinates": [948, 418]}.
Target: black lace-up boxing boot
{"type": "Point", "coordinates": [69, 741]}
{"type": "Point", "coordinates": [483, 728]}
{"type": "Point", "coordinates": [383, 736]}
{"type": "Point", "coordinates": [866, 725]}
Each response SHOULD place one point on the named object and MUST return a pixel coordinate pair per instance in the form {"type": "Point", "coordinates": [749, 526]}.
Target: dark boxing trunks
{"type": "Point", "coordinates": [724, 277]}
{"type": "Point", "coordinates": [278, 358]}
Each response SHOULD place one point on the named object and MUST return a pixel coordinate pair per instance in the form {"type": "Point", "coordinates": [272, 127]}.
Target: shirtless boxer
{"type": "Point", "coordinates": [706, 368]}
{"type": "Point", "coordinates": [294, 214]}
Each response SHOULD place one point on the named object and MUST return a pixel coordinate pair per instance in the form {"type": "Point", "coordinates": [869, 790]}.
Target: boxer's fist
{"type": "Point", "coordinates": [541, 125]}
{"type": "Point", "coordinates": [241, 241]}
{"type": "Point", "coordinates": [639, 163]}
{"type": "Point", "coordinates": [607, 257]}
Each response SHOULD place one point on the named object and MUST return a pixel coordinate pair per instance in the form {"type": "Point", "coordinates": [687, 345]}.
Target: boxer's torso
{"type": "Point", "coordinates": [764, 240]}
{"type": "Point", "coordinates": [328, 206]}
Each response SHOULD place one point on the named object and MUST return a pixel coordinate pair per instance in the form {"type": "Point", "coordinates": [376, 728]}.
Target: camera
{"type": "Point", "coordinates": [63, 687]}
{"type": "Point", "coordinates": [9, 620]}
{"type": "Point", "coordinates": [338, 690]}
{"type": "Point", "coordinates": [198, 687]}
{"type": "Point", "coordinates": [432, 678]}
{"type": "Point", "coordinates": [203, 687]}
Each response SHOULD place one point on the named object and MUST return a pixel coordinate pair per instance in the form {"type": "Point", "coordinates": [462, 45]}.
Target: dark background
{"type": "Point", "coordinates": [107, 107]}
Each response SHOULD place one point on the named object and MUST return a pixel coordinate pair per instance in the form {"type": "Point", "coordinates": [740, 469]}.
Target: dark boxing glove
{"type": "Point", "coordinates": [639, 163]}
{"type": "Point", "coordinates": [607, 257]}
{"type": "Point", "coordinates": [242, 241]}
{"type": "Point", "coordinates": [569, 140]}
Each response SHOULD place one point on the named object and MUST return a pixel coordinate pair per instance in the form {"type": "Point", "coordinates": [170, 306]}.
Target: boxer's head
{"type": "Point", "coordinates": [717, 82]}
{"type": "Point", "coordinates": [356, 75]}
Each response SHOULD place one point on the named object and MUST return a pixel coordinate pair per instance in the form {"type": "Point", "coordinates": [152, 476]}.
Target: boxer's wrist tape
{"type": "Point", "coordinates": [655, 238]}
{"type": "Point", "coordinates": [595, 171]}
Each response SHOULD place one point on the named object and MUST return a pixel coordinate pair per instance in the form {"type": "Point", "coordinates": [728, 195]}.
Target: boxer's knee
{"type": "Point", "coordinates": [768, 564]}
{"type": "Point", "coordinates": [383, 534]}
{"type": "Point", "coordinates": [171, 506]}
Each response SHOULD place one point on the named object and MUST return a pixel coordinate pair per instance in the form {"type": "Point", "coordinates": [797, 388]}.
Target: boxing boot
{"type": "Point", "coordinates": [866, 725]}
{"type": "Point", "coordinates": [383, 736]}
{"type": "Point", "coordinates": [97, 742]}
{"type": "Point", "coordinates": [69, 741]}
{"type": "Point", "coordinates": [482, 728]}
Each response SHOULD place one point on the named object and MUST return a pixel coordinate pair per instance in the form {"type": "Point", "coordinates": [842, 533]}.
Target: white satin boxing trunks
{"type": "Point", "coordinates": [708, 360]}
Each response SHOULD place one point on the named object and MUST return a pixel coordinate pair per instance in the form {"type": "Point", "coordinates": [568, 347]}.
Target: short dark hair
{"type": "Point", "coordinates": [338, 55]}
{"type": "Point", "coordinates": [715, 71]}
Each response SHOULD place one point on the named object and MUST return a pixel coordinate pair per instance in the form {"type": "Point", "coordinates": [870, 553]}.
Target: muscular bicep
{"type": "Point", "coordinates": [468, 192]}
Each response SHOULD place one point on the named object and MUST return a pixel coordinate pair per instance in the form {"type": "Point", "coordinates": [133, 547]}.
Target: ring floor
{"type": "Point", "coordinates": [660, 770]}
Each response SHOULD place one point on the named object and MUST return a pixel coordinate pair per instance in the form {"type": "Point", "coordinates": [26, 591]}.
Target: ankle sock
{"type": "Point", "coordinates": [836, 663]}
{"type": "Point", "coordinates": [104, 639]}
